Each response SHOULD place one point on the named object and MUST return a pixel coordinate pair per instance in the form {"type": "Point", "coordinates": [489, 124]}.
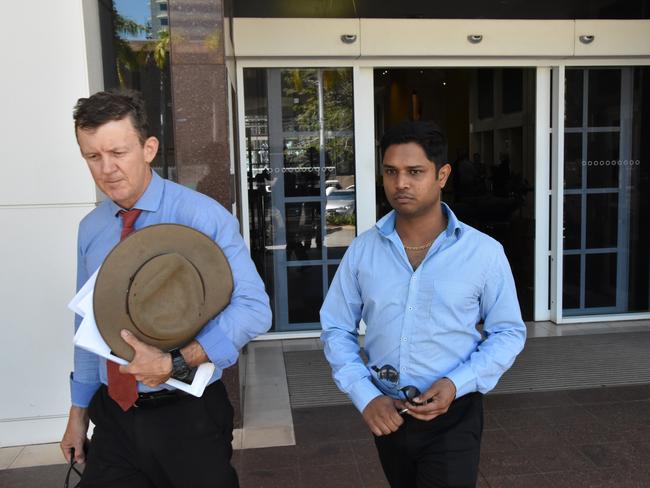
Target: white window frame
{"type": "Point", "coordinates": [557, 197]}
{"type": "Point", "coordinates": [364, 134]}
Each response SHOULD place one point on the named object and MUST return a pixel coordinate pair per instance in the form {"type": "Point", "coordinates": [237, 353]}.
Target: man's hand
{"type": "Point", "coordinates": [382, 416]}
{"type": "Point", "coordinates": [75, 434]}
{"type": "Point", "coordinates": [439, 397]}
{"type": "Point", "coordinates": [150, 365]}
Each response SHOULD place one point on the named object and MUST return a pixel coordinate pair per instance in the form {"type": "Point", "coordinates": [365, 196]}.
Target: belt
{"type": "Point", "coordinates": [159, 398]}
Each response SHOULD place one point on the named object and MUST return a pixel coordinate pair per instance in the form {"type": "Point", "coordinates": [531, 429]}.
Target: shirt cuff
{"type": "Point", "coordinates": [362, 393]}
{"type": "Point", "coordinates": [218, 347]}
{"type": "Point", "coordinates": [464, 379]}
{"type": "Point", "coordinates": [81, 393]}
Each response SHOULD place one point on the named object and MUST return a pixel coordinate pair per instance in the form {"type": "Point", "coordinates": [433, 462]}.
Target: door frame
{"type": "Point", "coordinates": [557, 197]}
{"type": "Point", "coordinates": [549, 158]}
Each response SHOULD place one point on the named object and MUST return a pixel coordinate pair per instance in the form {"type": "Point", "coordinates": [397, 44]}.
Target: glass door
{"type": "Point", "coordinates": [605, 240]}
{"type": "Point", "coordinates": [301, 188]}
{"type": "Point", "coordinates": [489, 117]}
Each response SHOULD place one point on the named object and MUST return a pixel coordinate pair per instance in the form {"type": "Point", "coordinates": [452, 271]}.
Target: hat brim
{"type": "Point", "coordinates": [125, 259]}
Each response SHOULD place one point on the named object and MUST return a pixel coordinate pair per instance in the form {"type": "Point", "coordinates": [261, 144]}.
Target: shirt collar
{"type": "Point", "coordinates": [453, 224]}
{"type": "Point", "coordinates": [150, 199]}
{"type": "Point", "coordinates": [386, 225]}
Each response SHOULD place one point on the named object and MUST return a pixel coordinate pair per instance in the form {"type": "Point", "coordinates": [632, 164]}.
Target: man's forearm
{"type": "Point", "coordinates": [194, 354]}
{"type": "Point", "coordinates": [75, 434]}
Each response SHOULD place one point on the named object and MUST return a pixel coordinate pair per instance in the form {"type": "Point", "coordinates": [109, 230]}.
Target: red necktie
{"type": "Point", "coordinates": [122, 387]}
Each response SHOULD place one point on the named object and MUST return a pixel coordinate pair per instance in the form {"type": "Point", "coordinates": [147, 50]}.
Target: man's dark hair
{"type": "Point", "coordinates": [107, 106]}
{"type": "Point", "coordinates": [428, 135]}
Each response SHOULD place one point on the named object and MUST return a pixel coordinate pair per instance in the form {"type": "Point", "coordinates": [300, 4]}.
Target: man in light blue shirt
{"type": "Point", "coordinates": [167, 438]}
{"type": "Point", "coordinates": [422, 281]}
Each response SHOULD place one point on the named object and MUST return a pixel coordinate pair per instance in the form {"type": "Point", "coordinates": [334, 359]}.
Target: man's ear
{"type": "Point", "coordinates": [150, 149]}
{"type": "Point", "coordinates": [443, 174]}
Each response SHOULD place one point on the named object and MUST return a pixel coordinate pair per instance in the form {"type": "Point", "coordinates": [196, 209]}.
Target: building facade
{"type": "Point", "coordinates": [276, 110]}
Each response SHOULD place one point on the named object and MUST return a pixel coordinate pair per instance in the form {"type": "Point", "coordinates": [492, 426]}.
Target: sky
{"type": "Point", "coordinates": [138, 10]}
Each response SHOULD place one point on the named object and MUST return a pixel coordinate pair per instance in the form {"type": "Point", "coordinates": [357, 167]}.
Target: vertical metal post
{"type": "Point", "coordinates": [278, 217]}
{"type": "Point", "coordinates": [542, 184]}
{"type": "Point", "coordinates": [557, 188]}
{"type": "Point", "coordinates": [624, 190]}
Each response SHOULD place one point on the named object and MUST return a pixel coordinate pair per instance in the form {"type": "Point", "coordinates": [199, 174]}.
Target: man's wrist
{"type": "Point", "coordinates": [452, 385]}
{"type": "Point", "coordinates": [168, 364]}
{"type": "Point", "coordinates": [180, 370]}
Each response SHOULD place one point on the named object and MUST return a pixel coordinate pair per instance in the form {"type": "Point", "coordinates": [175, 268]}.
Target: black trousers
{"type": "Point", "coordinates": [443, 452]}
{"type": "Point", "coordinates": [183, 443]}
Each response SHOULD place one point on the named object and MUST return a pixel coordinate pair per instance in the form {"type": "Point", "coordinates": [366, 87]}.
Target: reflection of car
{"type": "Point", "coordinates": [331, 185]}
{"type": "Point", "coordinates": [340, 202]}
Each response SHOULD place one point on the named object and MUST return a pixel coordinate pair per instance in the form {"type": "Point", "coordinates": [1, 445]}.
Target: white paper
{"type": "Point", "coordinates": [89, 338]}
{"type": "Point", "coordinates": [79, 304]}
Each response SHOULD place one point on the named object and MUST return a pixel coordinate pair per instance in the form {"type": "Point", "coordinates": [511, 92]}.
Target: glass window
{"type": "Point", "coordinates": [573, 161]}
{"type": "Point", "coordinates": [135, 33]}
{"type": "Point", "coordinates": [512, 87]}
{"type": "Point", "coordinates": [606, 209]}
{"type": "Point", "coordinates": [604, 103]}
{"type": "Point", "coordinates": [485, 93]}
{"type": "Point", "coordinates": [301, 187]}
{"type": "Point", "coordinates": [573, 104]}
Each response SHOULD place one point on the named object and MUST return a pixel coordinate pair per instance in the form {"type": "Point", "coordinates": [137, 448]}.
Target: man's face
{"type": "Point", "coordinates": [118, 161]}
{"type": "Point", "coordinates": [410, 180]}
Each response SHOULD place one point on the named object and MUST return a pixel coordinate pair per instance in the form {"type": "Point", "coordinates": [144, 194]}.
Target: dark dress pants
{"type": "Point", "coordinates": [184, 443]}
{"type": "Point", "coordinates": [441, 453]}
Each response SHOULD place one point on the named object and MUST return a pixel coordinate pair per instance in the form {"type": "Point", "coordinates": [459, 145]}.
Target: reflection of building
{"type": "Point", "coordinates": [159, 16]}
{"type": "Point", "coordinates": [546, 110]}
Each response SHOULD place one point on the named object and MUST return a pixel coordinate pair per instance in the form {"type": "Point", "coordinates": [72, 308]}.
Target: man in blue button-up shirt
{"type": "Point", "coordinates": [166, 438]}
{"type": "Point", "coordinates": [422, 281]}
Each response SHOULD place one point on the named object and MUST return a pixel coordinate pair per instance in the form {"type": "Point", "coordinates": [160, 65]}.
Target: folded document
{"type": "Point", "coordinates": [89, 338]}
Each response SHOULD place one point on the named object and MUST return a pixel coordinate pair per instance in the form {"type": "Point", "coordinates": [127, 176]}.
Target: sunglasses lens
{"type": "Point", "coordinates": [410, 392]}
{"type": "Point", "coordinates": [388, 373]}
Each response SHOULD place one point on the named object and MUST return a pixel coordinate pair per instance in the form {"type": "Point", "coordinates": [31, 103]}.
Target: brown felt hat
{"type": "Point", "coordinates": [162, 283]}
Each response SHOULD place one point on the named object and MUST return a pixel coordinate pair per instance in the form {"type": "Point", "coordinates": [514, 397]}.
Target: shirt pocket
{"type": "Point", "coordinates": [448, 310]}
{"type": "Point", "coordinates": [454, 304]}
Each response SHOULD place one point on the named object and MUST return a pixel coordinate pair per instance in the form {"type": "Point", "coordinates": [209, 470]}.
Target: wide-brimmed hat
{"type": "Point", "coordinates": [162, 283]}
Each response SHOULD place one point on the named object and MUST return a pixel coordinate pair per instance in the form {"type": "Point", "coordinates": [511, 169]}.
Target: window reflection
{"type": "Point", "coordinates": [300, 157]}
{"type": "Point", "coordinates": [606, 270]}
{"type": "Point", "coordinates": [135, 55]}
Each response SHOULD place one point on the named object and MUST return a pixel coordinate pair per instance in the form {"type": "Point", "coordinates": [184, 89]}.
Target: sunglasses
{"type": "Point", "coordinates": [390, 374]}
{"type": "Point", "coordinates": [71, 468]}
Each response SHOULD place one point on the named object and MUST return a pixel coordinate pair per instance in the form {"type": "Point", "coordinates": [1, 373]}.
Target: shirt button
{"type": "Point", "coordinates": [403, 339]}
{"type": "Point", "coordinates": [410, 308]}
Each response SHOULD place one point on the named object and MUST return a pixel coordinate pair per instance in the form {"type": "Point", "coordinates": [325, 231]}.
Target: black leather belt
{"type": "Point", "coordinates": [159, 398]}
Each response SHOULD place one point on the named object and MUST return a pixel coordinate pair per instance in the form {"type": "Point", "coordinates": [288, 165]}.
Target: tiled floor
{"type": "Point", "coordinates": [581, 438]}
{"type": "Point", "coordinates": [573, 439]}
{"type": "Point", "coordinates": [585, 438]}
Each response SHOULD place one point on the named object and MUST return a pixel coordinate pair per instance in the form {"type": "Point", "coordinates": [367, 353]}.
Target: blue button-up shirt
{"type": "Point", "coordinates": [422, 322]}
{"type": "Point", "coordinates": [248, 313]}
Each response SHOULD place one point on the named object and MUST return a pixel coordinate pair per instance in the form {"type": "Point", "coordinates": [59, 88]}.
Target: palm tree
{"type": "Point", "coordinates": [158, 49]}
{"type": "Point", "coordinates": [125, 57]}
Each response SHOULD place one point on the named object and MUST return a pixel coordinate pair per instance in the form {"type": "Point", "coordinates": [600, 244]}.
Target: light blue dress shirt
{"type": "Point", "coordinates": [422, 322]}
{"type": "Point", "coordinates": [248, 313]}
